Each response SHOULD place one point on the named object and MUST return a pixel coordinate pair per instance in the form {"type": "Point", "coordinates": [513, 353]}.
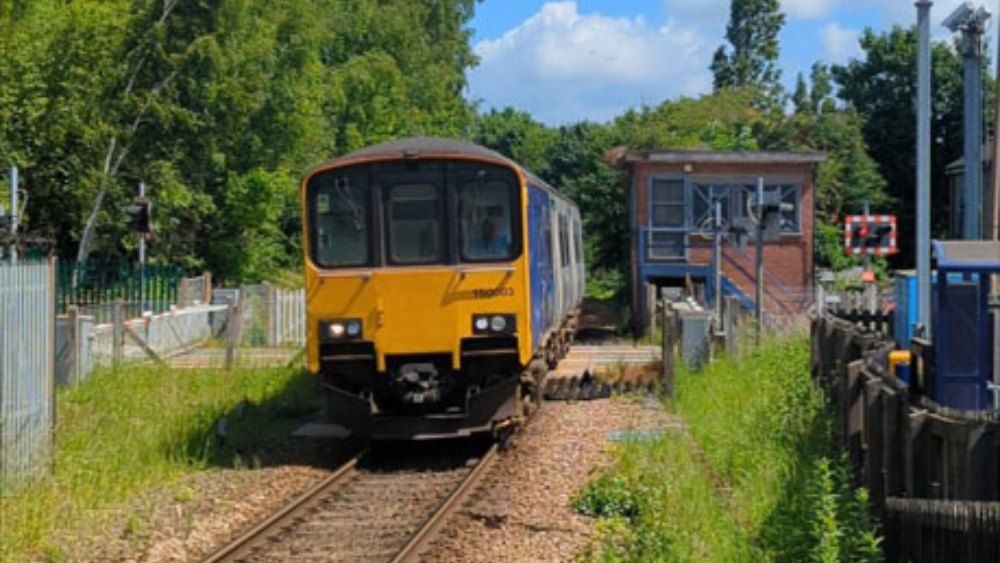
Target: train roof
{"type": "Point", "coordinates": [431, 147]}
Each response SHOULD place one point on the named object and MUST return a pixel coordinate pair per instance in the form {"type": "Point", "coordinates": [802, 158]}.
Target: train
{"type": "Point", "coordinates": [443, 281]}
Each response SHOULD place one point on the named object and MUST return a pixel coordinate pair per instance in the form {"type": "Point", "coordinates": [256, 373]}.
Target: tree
{"type": "Point", "coordinates": [800, 98]}
{"type": "Point", "coordinates": [822, 89]}
{"type": "Point", "coordinates": [751, 59]}
{"type": "Point", "coordinates": [515, 134]}
{"type": "Point", "coordinates": [881, 87]}
{"type": "Point", "coordinates": [220, 106]}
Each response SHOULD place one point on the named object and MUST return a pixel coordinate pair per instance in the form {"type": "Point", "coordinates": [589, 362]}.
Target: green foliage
{"type": "Point", "coordinates": [758, 476]}
{"type": "Point", "coordinates": [880, 86]}
{"type": "Point", "coordinates": [121, 431]}
{"type": "Point", "coordinates": [751, 59]}
{"type": "Point", "coordinates": [515, 134]}
{"type": "Point", "coordinates": [610, 496]}
{"type": "Point", "coordinates": [606, 285]}
{"type": "Point", "coordinates": [220, 106]}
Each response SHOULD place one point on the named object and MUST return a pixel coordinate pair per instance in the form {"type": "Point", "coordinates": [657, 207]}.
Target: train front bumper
{"type": "Point", "coordinates": [482, 410]}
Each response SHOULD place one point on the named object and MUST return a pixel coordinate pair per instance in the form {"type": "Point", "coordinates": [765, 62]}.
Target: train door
{"type": "Point", "coordinates": [557, 262]}
{"type": "Point", "coordinates": [543, 282]}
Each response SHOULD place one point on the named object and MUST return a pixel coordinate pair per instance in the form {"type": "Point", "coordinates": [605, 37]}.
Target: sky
{"type": "Point", "coordinates": [573, 60]}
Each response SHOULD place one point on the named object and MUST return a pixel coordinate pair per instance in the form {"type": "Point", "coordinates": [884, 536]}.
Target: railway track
{"type": "Point", "coordinates": [378, 507]}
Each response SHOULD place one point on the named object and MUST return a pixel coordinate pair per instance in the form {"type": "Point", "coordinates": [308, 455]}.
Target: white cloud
{"type": "Point", "coordinates": [808, 9]}
{"type": "Point", "coordinates": [839, 44]}
{"type": "Point", "coordinates": [562, 66]}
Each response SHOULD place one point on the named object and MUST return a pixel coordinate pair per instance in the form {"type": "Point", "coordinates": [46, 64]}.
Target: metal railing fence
{"type": "Point", "coordinates": [27, 368]}
{"type": "Point", "coordinates": [93, 286]}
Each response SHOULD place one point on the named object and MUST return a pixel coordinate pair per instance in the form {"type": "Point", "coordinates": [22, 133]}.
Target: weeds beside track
{"type": "Point", "coordinates": [122, 431]}
{"type": "Point", "coordinates": [756, 477]}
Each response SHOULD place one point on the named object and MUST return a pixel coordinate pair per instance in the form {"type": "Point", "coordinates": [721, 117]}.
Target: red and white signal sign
{"type": "Point", "coordinates": [871, 234]}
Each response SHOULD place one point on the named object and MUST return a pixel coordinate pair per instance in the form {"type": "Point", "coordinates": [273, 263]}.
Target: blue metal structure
{"type": "Point", "coordinates": [906, 314]}
{"type": "Point", "coordinates": [963, 333]}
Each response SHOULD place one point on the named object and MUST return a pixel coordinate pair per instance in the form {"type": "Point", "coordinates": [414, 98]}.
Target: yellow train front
{"type": "Point", "coordinates": [441, 280]}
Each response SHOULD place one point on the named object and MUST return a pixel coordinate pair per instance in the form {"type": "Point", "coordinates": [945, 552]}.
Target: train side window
{"type": "Point", "coordinates": [578, 241]}
{"type": "Point", "coordinates": [339, 212]}
{"type": "Point", "coordinates": [414, 217]}
{"type": "Point", "coordinates": [487, 220]}
{"type": "Point", "coordinates": [563, 241]}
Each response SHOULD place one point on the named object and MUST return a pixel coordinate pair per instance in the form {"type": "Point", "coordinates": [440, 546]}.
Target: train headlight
{"type": "Point", "coordinates": [340, 329]}
{"type": "Point", "coordinates": [354, 328]}
{"type": "Point", "coordinates": [497, 323]}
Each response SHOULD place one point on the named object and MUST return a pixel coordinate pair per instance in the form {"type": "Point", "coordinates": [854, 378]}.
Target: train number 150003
{"type": "Point", "coordinates": [493, 292]}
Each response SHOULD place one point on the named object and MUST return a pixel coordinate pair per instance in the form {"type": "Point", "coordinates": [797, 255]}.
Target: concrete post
{"type": "Point", "coordinates": [207, 288]}
{"type": "Point", "coordinates": [73, 338]}
{"type": "Point", "coordinates": [669, 346]}
{"type": "Point", "coordinates": [118, 333]}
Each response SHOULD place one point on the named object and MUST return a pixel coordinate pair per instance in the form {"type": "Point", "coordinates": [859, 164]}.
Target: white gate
{"type": "Point", "coordinates": [27, 368]}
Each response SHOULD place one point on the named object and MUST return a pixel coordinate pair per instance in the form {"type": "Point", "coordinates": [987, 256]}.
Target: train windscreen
{"type": "Point", "coordinates": [429, 212]}
{"type": "Point", "coordinates": [340, 219]}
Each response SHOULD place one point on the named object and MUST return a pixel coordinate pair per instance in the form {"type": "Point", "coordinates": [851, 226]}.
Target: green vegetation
{"type": "Point", "coordinates": [880, 87]}
{"type": "Point", "coordinates": [120, 432]}
{"type": "Point", "coordinates": [756, 477]}
{"type": "Point", "coordinates": [220, 106]}
{"type": "Point", "coordinates": [752, 34]}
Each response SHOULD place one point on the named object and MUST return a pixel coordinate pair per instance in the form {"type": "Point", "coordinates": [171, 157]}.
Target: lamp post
{"type": "Point", "coordinates": [924, 166]}
{"type": "Point", "coordinates": [971, 23]}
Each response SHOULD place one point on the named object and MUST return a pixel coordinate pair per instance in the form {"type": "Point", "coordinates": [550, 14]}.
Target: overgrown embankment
{"type": "Point", "coordinates": [757, 476]}
{"type": "Point", "coordinates": [121, 432]}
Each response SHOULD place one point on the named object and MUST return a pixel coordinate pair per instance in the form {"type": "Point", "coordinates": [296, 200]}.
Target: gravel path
{"type": "Point", "coordinates": [521, 511]}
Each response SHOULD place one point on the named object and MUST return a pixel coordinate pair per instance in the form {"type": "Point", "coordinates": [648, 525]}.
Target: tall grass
{"type": "Point", "coordinates": [757, 476]}
{"type": "Point", "coordinates": [122, 431]}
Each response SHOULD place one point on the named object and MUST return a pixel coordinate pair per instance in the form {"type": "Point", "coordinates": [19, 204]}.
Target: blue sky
{"type": "Point", "coordinates": [571, 60]}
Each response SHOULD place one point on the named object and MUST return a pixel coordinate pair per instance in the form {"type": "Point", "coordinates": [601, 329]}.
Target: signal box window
{"type": "Point", "coordinates": [487, 221]}
{"type": "Point", "coordinates": [341, 216]}
{"type": "Point", "coordinates": [414, 213]}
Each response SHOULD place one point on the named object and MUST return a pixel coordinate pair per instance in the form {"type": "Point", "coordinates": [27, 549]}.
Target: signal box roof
{"type": "Point", "coordinates": [967, 255]}
{"type": "Point", "coordinates": [622, 157]}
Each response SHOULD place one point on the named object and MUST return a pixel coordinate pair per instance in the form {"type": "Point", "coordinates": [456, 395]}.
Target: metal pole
{"type": "Point", "coordinates": [973, 138]}
{"type": "Point", "coordinates": [760, 257]}
{"type": "Point", "coordinates": [870, 287]}
{"type": "Point", "coordinates": [142, 259]}
{"type": "Point", "coordinates": [14, 204]}
{"type": "Point", "coordinates": [717, 258]}
{"type": "Point", "coordinates": [924, 166]}
{"type": "Point", "coordinates": [994, 222]}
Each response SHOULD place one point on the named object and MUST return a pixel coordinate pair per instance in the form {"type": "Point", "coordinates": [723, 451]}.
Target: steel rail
{"type": "Point", "coordinates": [419, 541]}
{"type": "Point", "coordinates": [240, 547]}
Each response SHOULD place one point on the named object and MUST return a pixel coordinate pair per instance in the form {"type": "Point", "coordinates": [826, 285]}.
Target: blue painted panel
{"type": "Point", "coordinates": [905, 314]}
{"type": "Point", "coordinates": [542, 274]}
{"type": "Point", "coordinates": [962, 341]}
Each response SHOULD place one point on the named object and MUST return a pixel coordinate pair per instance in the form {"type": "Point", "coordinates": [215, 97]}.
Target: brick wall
{"type": "Point", "coordinates": [788, 263]}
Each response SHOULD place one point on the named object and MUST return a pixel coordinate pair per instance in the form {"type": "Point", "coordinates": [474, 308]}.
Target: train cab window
{"type": "Point", "coordinates": [488, 224]}
{"type": "Point", "coordinates": [340, 219]}
{"type": "Point", "coordinates": [414, 214]}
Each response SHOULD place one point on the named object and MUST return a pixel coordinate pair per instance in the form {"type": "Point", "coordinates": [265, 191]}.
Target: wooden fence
{"type": "Point", "coordinates": [933, 473]}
